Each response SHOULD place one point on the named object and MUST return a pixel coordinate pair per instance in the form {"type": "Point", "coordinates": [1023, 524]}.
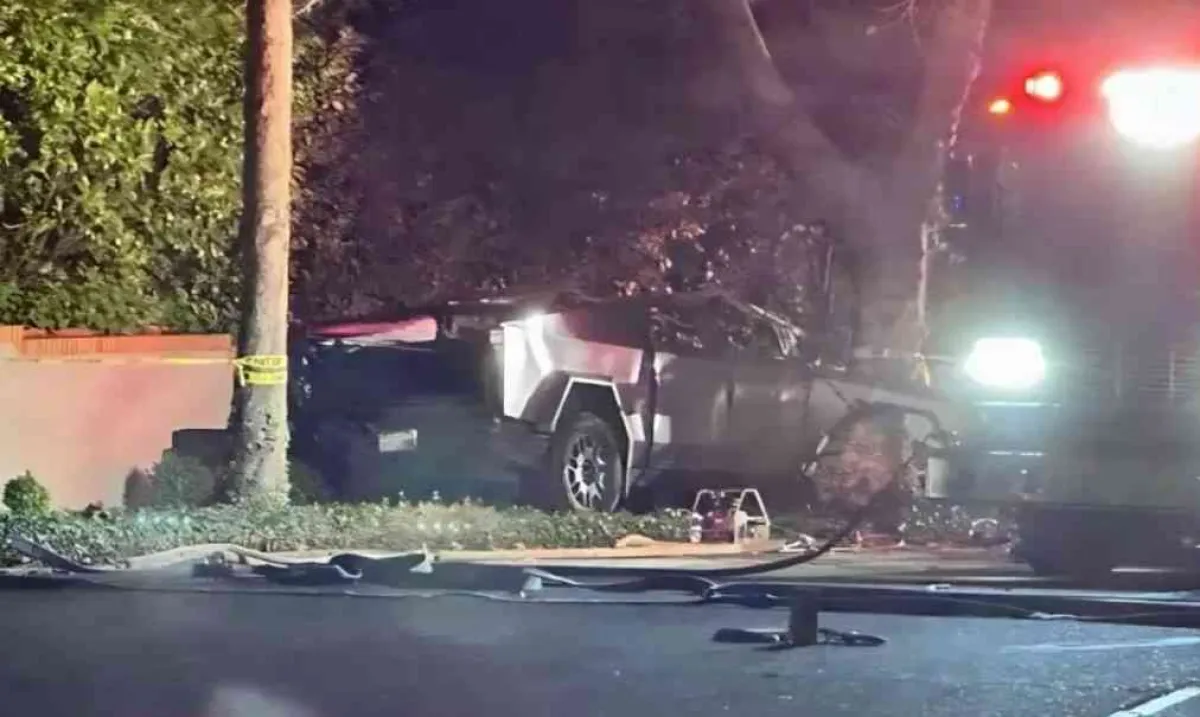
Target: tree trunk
{"type": "Point", "coordinates": [879, 217]}
{"type": "Point", "coordinates": [828, 179]}
{"type": "Point", "coordinates": [952, 53]}
{"type": "Point", "coordinates": [258, 419]}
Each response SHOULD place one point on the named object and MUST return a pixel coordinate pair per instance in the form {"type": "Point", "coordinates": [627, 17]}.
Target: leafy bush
{"type": "Point", "coordinates": [120, 126]}
{"type": "Point", "coordinates": [307, 485]}
{"type": "Point", "coordinates": [25, 496]}
{"type": "Point", "coordinates": [139, 489]}
{"type": "Point", "coordinates": [176, 481]}
{"type": "Point", "coordinates": [336, 526]}
{"type": "Point", "coordinates": [182, 481]}
{"type": "Point", "coordinates": [120, 161]}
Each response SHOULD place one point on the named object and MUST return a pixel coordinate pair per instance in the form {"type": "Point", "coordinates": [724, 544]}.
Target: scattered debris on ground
{"type": "Point", "coordinates": [924, 523]}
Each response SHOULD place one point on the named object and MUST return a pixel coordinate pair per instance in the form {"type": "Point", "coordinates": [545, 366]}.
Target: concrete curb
{"type": "Point", "coordinates": [770, 551]}
{"type": "Point", "coordinates": [655, 550]}
{"type": "Point", "coordinates": [762, 550]}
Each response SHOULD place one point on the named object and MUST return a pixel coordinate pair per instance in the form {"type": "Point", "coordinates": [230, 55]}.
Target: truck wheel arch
{"type": "Point", "coordinates": [600, 397]}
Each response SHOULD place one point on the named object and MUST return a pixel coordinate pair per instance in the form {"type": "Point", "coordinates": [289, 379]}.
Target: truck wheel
{"type": "Point", "coordinates": [587, 470]}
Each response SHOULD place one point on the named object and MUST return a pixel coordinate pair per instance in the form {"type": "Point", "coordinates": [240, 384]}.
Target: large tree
{"type": "Point", "coordinates": [880, 213]}
{"type": "Point", "coordinates": [605, 147]}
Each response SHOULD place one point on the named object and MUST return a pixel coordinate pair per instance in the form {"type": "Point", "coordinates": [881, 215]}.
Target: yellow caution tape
{"type": "Point", "coordinates": [923, 371]}
{"type": "Point", "coordinates": [263, 370]}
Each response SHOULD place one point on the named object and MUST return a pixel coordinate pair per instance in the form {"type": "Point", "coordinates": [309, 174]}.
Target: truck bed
{"type": "Point", "coordinates": [405, 418]}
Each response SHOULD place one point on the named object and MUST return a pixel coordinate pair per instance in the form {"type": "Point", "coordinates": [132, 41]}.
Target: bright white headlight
{"type": "Point", "coordinates": [1158, 108]}
{"type": "Point", "coordinates": [1012, 364]}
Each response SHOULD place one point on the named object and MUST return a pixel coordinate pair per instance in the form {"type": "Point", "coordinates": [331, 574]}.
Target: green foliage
{"type": "Point", "coordinates": [416, 202]}
{"type": "Point", "coordinates": [306, 484]}
{"type": "Point", "coordinates": [139, 491]}
{"type": "Point", "coordinates": [25, 496]}
{"type": "Point", "coordinates": [176, 481]}
{"type": "Point", "coordinates": [120, 146]}
{"type": "Point", "coordinates": [337, 526]}
{"type": "Point", "coordinates": [182, 481]}
{"type": "Point", "coordinates": [120, 132]}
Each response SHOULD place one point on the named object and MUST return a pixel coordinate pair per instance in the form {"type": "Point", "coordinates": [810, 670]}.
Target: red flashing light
{"type": "Point", "coordinates": [1044, 86]}
{"type": "Point", "coordinates": [1000, 106]}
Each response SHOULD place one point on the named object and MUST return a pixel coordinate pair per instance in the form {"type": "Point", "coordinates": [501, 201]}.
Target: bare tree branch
{"type": "Point", "coordinates": [307, 8]}
{"type": "Point", "coordinates": [952, 61]}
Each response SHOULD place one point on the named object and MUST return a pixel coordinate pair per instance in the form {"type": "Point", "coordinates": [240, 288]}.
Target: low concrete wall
{"type": "Point", "coordinates": [81, 425]}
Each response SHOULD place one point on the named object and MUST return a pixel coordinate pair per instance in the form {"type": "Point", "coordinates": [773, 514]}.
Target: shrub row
{"type": "Point", "coordinates": [107, 538]}
{"type": "Point", "coordinates": [110, 537]}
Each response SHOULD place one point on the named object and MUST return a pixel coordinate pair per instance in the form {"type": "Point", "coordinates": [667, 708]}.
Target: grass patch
{"type": "Point", "coordinates": [399, 527]}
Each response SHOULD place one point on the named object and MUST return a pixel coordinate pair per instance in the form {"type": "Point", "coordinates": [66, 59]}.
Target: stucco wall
{"type": "Point", "coordinates": [80, 426]}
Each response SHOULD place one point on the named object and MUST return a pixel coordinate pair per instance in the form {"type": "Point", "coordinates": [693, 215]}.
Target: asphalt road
{"type": "Point", "coordinates": [989, 567]}
{"type": "Point", "coordinates": [79, 652]}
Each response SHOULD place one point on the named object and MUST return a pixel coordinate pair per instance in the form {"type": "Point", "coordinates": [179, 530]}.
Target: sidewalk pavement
{"type": "Point", "coordinates": [926, 563]}
{"type": "Point", "coordinates": [920, 564]}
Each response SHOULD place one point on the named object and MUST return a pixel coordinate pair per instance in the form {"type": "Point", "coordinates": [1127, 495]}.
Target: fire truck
{"type": "Point", "coordinates": [1072, 285]}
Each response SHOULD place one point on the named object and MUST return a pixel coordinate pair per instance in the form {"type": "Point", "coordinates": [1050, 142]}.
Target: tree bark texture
{"type": "Point", "coordinates": [258, 420]}
{"type": "Point", "coordinates": [880, 217]}
{"type": "Point", "coordinates": [952, 53]}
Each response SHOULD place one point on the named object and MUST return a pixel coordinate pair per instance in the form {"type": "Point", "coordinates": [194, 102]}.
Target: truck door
{"type": "Point", "coordinates": [691, 418]}
{"type": "Point", "coordinates": [770, 391]}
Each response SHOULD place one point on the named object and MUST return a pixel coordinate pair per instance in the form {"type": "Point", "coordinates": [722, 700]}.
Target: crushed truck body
{"type": "Point", "coordinates": [580, 404]}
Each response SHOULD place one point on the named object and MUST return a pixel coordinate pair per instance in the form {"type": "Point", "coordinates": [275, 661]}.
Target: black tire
{"type": "Point", "coordinates": [588, 438]}
{"type": "Point", "coordinates": [1066, 544]}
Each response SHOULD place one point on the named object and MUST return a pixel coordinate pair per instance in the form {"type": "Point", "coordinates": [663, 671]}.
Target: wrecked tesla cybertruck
{"type": "Point", "coordinates": [580, 403]}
